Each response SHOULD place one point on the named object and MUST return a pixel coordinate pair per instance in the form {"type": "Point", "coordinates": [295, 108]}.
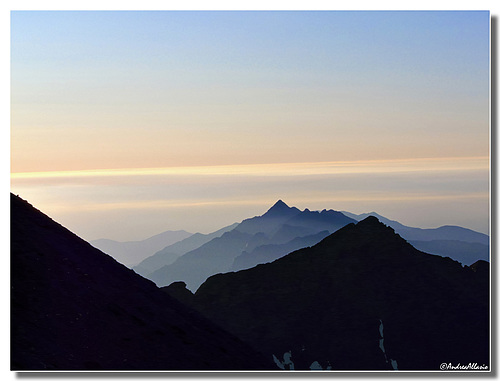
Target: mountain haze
{"type": "Point", "coordinates": [269, 253]}
{"type": "Point", "coordinates": [280, 225]}
{"type": "Point", "coordinates": [132, 252]}
{"type": "Point", "coordinates": [197, 265]}
{"type": "Point", "coordinates": [169, 254]}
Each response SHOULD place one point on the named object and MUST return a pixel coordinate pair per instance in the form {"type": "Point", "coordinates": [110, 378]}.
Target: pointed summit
{"type": "Point", "coordinates": [281, 209]}
{"type": "Point", "coordinates": [280, 205]}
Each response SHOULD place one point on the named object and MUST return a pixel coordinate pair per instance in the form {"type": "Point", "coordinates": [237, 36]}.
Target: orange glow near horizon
{"type": "Point", "coordinates": [168, 205]}
{"type": "Point", "coordinates": [279, 169]}
{"type": "Point", "coordinates": [204, 198]}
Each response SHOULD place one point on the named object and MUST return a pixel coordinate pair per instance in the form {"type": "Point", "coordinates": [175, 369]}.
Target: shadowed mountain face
{"type": "Point", "coordinates": [280, 225]}
{"type": "Point", "coordinates": [363, 298]}
{"type": "Point", "coordinates": [269, 253]}
{"type": "Point", "coordinates": [75, 308]}
{"type": "Point", "coordinates": [461, 244]}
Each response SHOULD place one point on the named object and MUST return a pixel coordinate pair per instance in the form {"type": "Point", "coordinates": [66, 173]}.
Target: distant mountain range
{"type": "Point", "coordinates": [75, 308]}
{"type": "Point", "coordinates": [361, 299]}
{"type": "Point", "coordinates": [170, 253]}
{"type": "Point", "coordinates": [268, 253]}
{"type": "Point", "coordinates": [283, 229]}
{"type": "Point", "coordinates": [130, 253]}
{"type": "Point", "coordinates": [286, 228]}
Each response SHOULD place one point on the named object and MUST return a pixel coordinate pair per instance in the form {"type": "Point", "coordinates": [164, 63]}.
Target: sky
{"type": "Point", "coordinates": [127, 124]}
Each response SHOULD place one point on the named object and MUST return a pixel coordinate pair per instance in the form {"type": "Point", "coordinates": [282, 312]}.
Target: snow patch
{"type": "Point", "coordinates": [381, 346]}
{"type": "Point", "coordinates": [393, 363]}
{"type": "Point", "coordinates": [287, 363]}
{"type": "Point", "coordinates": [315, 366]}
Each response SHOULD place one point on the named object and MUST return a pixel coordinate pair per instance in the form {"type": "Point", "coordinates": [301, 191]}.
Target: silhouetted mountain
{"type": "Point", "coordinates": [447, 232]}
{"type": "Point", "coordinates": [270, 221]}
{"type": "Point", "coordinates": [269, 253]}
{"type": "Point", "coordinates": [75, 308]}
{"type": "Point", "coordinates": [180, 292]}
{"type": "Point", "coordinates": [359, 217]}
{"type": "Point", "coordinates": [170, 253]}
{"type": "Point", "coordinates": [362, 298]}
{"type": "Point", "coordinates": [461, 244]}
{"type": "Point", "coordinates": [132, 252]}
{"type": "Point", "coordinates": [277, 226]}
{"type": "Point", "coordinates": [330, 220]}
{"type": "Point", "coordinates": [280, 209]}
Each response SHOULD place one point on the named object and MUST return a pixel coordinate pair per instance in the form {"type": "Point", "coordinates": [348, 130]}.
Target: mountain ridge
{"type": "Point", "coordinates": [280, 208]}
{"type": "Point", "coordinates": [280, 224]}
{"type": "Point", "coordinates": [413, 233]}
{"type": "Point", "coordinates": [456, 242]}
{"type": "Point", "coordinates": [74, 307]}
{"type": "Point", "coordinates": [329, 302]}
{"type": "Point", "coordinates": [216, 256]}
{"type": "Point", "coordinates": [169, 254]}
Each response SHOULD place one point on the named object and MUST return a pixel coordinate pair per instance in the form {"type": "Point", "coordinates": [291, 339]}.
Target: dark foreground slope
{"type": "Point", "coordinates": [74, 307]}
{"type": "Point", "coordinates": [363, 298]}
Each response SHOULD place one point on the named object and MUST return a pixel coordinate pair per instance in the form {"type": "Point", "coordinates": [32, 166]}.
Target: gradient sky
{"type": "Point", "coordinates": [126, 124]}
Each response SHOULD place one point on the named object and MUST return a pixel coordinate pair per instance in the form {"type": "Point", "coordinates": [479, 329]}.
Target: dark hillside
{"type": "Point", "coordinates": [75, 308]}
{"type": "Point", "coordinates": [359, 299]}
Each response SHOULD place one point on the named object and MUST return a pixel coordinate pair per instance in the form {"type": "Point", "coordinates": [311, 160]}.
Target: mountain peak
{"type": "Point", "coordinates": [370, 220]}
{"type": "Point", "coordinates": [280, 208]}
{"type": "Point", "coordinates": [372, 225]}
{"type": "Point", "coordinates": [369, 231]}
{"type": "Point", "coordinates": [280, 204]}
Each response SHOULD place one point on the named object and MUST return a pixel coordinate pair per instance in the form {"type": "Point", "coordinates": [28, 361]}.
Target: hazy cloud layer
{"type": "Point", "coordinates": [420, 193]}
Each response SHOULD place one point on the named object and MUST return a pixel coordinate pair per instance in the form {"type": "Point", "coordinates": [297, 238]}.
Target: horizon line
{"type": "Point", "coordinates": [283, 169]}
